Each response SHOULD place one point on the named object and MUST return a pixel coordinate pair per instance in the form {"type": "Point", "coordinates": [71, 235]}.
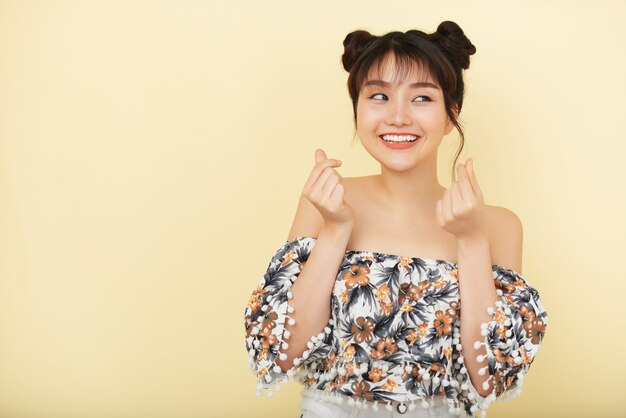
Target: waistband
{"type": "Point", "coordinates": [436, 404]}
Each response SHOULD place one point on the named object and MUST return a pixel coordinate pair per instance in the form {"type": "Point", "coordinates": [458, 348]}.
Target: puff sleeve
{"type": "Point", "coordinates": [511, 337]}
{"type": "Point", "coordinates": [267, 313]}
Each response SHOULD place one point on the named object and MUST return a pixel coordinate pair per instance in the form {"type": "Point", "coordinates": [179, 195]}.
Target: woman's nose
{"type": "Point", "coordinates": [398, 114]}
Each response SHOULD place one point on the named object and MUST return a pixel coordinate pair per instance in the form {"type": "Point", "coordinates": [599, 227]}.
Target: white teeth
{"type": "Point", "coordinates": [399, 138]}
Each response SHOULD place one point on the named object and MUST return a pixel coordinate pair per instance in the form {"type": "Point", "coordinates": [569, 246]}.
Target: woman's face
{"type": "Point", "coordinates": [410, 108]}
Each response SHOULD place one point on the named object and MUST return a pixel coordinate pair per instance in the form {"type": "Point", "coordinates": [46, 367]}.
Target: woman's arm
{"type": "Point", "coordinates": [492, 364]}
{"type": "Point", "coordinates": [310, 294]}
{"type": "Point", "coordinates": [477, 293]}
{"type": "Point", "coordinates": [298, 283]}
{"type": "Point", "coordinates": [270, 316]}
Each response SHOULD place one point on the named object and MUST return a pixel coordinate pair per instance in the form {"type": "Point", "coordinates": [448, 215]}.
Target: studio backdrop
{"type": "Point", "coordinates": [152, 154]}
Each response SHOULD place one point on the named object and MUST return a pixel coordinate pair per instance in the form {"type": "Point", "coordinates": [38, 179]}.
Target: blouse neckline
{"type": "Point", "coordinates": [396, 256]}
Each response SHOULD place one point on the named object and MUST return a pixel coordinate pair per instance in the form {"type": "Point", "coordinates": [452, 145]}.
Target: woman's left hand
{"type": "Point", "coordinates": [462, 210]}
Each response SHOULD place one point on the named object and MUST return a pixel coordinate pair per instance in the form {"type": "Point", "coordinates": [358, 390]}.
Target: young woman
{"type": "Point", "coordinates": [394, 296]}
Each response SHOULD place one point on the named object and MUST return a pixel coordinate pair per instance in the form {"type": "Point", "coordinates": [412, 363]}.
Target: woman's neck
{"type": "Point", "coordinates": [416, 190]}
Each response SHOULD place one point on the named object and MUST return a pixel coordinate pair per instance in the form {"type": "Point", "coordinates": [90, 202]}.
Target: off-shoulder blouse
{"type": "Point", "coordinates": [394, 331]}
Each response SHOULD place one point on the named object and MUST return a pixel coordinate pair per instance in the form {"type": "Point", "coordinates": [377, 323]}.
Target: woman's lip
{"type": "Point", "coordinates": [399, 145]}
{"type": "Point", "coordinates": [399, 133]}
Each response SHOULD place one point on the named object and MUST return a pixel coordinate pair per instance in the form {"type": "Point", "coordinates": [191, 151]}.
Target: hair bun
{"type": "Point", "coordinates": [450, 37]}
{"type": "Point", "coordinates": [354, 44]}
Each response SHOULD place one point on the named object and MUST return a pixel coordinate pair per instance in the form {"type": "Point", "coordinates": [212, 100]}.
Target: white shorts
{"type": "Point", "coordinates": [312, 407]}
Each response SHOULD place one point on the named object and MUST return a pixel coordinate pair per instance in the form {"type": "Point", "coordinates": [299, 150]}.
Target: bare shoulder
{"type": "Point", "coordinates": [501, 217]}
{"type": "Point", "coordinates": [505, 237]}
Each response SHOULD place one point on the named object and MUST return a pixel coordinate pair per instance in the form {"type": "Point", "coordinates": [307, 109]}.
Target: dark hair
{"type": "Point", "coordinates": [443, 54]}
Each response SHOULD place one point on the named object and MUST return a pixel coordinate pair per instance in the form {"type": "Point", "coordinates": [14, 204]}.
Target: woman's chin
{"type": "Point", "coordinates": [399, 164]}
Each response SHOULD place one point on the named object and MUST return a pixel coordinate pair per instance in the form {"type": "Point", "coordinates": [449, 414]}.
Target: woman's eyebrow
{"type": "Point", "coordinates": [413, 85]}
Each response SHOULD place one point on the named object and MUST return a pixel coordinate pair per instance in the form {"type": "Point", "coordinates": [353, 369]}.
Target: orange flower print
{"type": "Point", "coordinates": [344, 296]}
{"type": "Point", "coordinates": [443, 323]}
{"type": "Point", "coordinates": [499, 356]}
{"type": "Point", "coordinates": [389, 385]}
{"type": "Point", "coordinates": [501, 331]}
{"type": "Point", "coordinates": [249, 325]}
{"type": "Point", "coordinates": [500, 382]}
{"type": "Point", "coordinates": [500, 317]}
{"type": "Point", "coordinates": [357, 276]}
{"type": "Point", "coordinates": [288, 257]}
{"type": "Point", "coordinates": [406, 308]}
{"type": "Point", "coordinates": [455, 273]}
{"type": "Point", "coordinates": [348, 355]}
{"type": "Point", "coordinates": [256, 299]}
{"type": "Point", "coordinates": [254, 303]}
{"type": "Point", "coordinates": [447, 352]}
{"type": "Point", "coordinates": [506, 287]}
{"type": "Point", "coordinates": [438, 367]}
{"type": "Point", "coordinates": [416, 375]}
{"type": "Point", "coordinates": [266, 344]}
{"type": "Point", "coordinates": [412, 292]}
{"type": "Point", "coordinates": [453, 310]}
{"type": "Point", "coordinates": [404, 262]}
{"type": "Point", "coordinates": [328, 362]}
{"type": "Point", "coordinates": [383, 292]}
{"type": "Point", "coordinates": [510, 380]}
{"type": "Point", "coordinates": [362, 330]}
{"type": "Point", "coordinates": [416, 335]}
{"type": "Point", "coordinates": [375, 374]}
{"type": "Point", "coordinates": [423, 287]}
{"type": "Point", "coordinates": [268, 323]}
{"type": "Point", "coordinates": [408, 291]}
{"type": "Point", "coordinates": [526, 356]}
{"type": "Point", "coordinates": [422, 329]}
{"type": "Point", "coordinates": [519, 283]}
{"type": "Point", "coordinates": [384, 348]}
{"type": "Point", "coordinates": [362, 390]}
{"type": "Point", "coordinates": [386, 308]}
{"type": "Point", "coordinates": [350, 370]}
{"type": "Point", "coordinates": [536, 330]}
{"type": "Point", "coordinates": [528, 315]}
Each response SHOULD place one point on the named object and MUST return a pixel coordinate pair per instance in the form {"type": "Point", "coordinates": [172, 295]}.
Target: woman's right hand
{"type": "Point", "coordinates": [325, 191]}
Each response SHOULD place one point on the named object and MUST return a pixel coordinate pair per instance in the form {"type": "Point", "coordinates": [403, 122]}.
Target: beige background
{"type": "Point", "coordinates": [152, 154]}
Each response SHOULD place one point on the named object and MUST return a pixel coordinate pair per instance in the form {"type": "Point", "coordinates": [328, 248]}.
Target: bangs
{"type": "Point", "coordinates": [403, 66]}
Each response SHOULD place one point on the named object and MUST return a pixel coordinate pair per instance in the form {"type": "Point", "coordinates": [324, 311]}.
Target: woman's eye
{"type": "Point", "coordinates": [378, 94]}
{"type": "Point", "coordinates": [427, 99]}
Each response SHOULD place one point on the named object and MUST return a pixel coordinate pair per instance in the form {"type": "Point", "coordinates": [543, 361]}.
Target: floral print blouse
{"type": "Point", "coordinates": [394, 331]}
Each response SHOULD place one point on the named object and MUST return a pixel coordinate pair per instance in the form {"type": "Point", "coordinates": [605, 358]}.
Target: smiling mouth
{"type": "Point", "coordinates": [399, 139]}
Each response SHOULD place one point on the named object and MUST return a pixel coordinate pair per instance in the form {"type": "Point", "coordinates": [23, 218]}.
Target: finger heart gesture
{"type": "Point", "coordinates": [461, 211]}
